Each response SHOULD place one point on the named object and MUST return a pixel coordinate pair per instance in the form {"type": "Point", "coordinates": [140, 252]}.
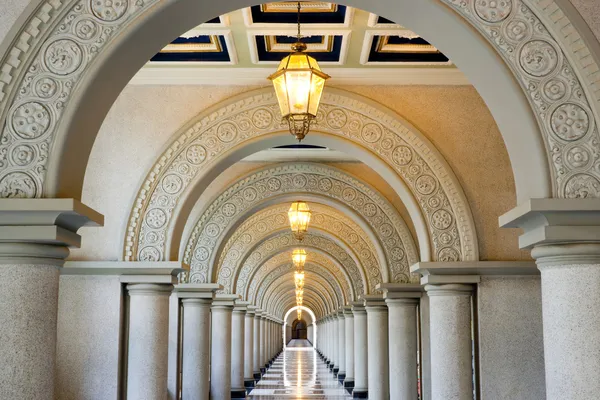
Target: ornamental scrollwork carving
{"type": "Point", "coordinates": [264, 223]}
{"type": "Point", "coordinates": [198, 147]}
{"type": "Point", "coordinates": [550, 82]}
{"type": "Point", "coordinates": [226, 209]}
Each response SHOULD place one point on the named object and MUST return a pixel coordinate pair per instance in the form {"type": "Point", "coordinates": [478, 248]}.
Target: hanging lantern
{"type": "Point", "coordinates": [299, 216]}
{"type": "Point", "coordinates": [299, 279]}
{"type": "Point", "coordinates": [299, 258]}
{"type": "Point", "coordinates": [299, 84]}
{"type": "Point", "coordinates": [299, 314]}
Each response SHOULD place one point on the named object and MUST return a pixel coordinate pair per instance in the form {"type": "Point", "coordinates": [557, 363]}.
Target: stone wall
{"type": "Point", "coordinates": [511, 347]}
{"type": "Point", "coordinates": [88, 343]}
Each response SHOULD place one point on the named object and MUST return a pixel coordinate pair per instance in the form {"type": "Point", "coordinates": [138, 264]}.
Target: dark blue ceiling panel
{"type": "Point", "coordinates": [402, 49]}
{"type": "Point", "coordinates": [181, 49]}
{"type": "Point", "coordinates": [260, 14]}
{"type": "Point", "coordinates": [332, 54]}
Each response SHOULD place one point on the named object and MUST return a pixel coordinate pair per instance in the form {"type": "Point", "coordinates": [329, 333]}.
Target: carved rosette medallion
{"type": "Point", "coordinates": [493, 10]}
{"type": "Point", "coordinates": [63, 56]}
{"type": "Point", "coordinates": [109, 10]}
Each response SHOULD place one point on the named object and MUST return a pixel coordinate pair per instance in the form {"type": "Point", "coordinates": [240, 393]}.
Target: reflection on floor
{"type": "Point", "coordinates": [298, 373]}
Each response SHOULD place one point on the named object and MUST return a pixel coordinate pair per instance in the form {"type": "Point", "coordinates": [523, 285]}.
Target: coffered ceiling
{"type": "Point", "coordinates": [244, 46]}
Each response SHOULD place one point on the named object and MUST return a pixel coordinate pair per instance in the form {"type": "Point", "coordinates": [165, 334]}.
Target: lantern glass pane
{"type": "Point", "coordinates": [316, 90]}
{"type": "Point", "coordinates": [298, 61]}
{"type": "Point", "coordinates": [282, 95]}
{"type": "Point", "coordinates": [298, 90]}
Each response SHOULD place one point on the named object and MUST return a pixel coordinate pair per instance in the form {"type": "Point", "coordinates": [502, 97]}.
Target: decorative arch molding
{"type": "Point", "coordinates": [285, 286]}
{"type": "Point", "coordinates": [60, 46]}
{"type": "Point", "coordinates": [282, 290]}
{"type": "Point", "coordinates": [364, 281]}
{"type": "Point", "coordinates": [248, 193]}
{"type": "Point", "coordinates": [430, 189]}
{"type": "Point", "coordinates": [303, 308]}
{"type": "Point", "coordinates": [291, 307]}
{"type": "Point", "coordinates": [281, 262]}
{"type": "Point", "coordinates": [272, 220]}
{"type": "Point", "coordinates": [310, 270]}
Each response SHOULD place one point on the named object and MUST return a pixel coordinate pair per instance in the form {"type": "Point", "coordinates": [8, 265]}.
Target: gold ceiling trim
{"type": "Point", "coordinates": [272, 46]}
{"type": "Point", "coordinates": [212, 47]}
{"type": "Point", "coordinates": [383, 46]}
{"type": "Point", "coordinates": [307, 7]}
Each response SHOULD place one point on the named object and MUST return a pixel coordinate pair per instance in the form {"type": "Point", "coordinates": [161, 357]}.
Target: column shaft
{"type": "Point", "coordinates": [196, 345]}
{"type": "Point", "coordinates": [402, 316]}
{"type": "Point", "coordinates": [349, 321]}
{"type": "Point", "coordinates": [220, 363]}
{"type": "Point", "coordinates": [256, 360]}
{"type": "Point", "coordinates": [378, 357]}
{"type": "Point", "coordinates": [249, 350]}
{"type": "Point", "coordinates": [147, 356]}
{"type": "Point", "coordinates": [450, 341]}
{"type": "Point", "coordinates": [360, 353]}
{"type": "Point", "coordinates": [238, 329]}
{"type": "Point", "coordinates": [341, 345]}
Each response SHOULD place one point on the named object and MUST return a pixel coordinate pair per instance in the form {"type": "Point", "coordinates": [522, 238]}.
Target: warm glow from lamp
{"type": "Point", "coordinates": [299, 258]}
{"type": "Point", "coordinates": [299, 216]}
{"type": "Point", "coordinates": [299, 279]}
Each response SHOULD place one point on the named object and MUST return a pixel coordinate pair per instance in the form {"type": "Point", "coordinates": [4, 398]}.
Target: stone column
{"type": "Point", "coordinates": [263, 336]}
{"type": "Point", "coordinates": [268, 332]}
{"type": "Point", "coordinates": [341, 346]}
{"type": "Point", "coordinates": [249, 348]}
{"type": "Point", "coordinates": [35, 235]}
{"type": "Point", "coordinates": [564, 235]}
{"type": "Point", "coordinates": [377, 339]}
{"type": "Point", "coordinates": [147, 355]}
{"type": "Point", "coordinates": [334, 344]}
{"type": "Point", "coordinates": [451, 358]}
{"type": "Point", "coordinates": [220, 363]}
{"type": "Point", "coordinates": [349, 342]}
{"type": "Point", "coordinates": [196, 300]}
{"type": "Point", "coordinates": [256, 360]}
{"type": "Point", "coordinates": [238, 390]}
{"type": "Point", "coordinates": [361, 369]}
{"type": "Point", "coordinates": [402, 300]}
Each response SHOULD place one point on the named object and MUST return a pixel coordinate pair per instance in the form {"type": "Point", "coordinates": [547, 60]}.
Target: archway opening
{"type": "Point", "coordinates": [290, 322]}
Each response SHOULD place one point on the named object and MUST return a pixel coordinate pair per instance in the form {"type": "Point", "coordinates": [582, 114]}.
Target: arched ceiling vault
{"type": "Point", "coordinates": [247, 123]}
{"type": "Point", "coordinates": [311, 272]}
{"type": "Point", "coordinates": [284, 288]}
{"type": "Point", "coordinates": [272, 220]}
{"type": "Point", "coordinates": [314, 299]}
{"type": "Point", "coordinates": [282, 261]}
{"type": "Point", "coordinates": [295, 179]}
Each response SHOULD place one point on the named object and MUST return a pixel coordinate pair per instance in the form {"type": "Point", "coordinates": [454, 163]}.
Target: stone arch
{"type": "Point", "coordinates": [281, 290]}
{"type": "Point", "coordinates": [329, 247]}
{"type": "Point", "coordinates": [310, 270]}
{"type": "Point", "coordinates": [375, 135]}
{"type": "Point", "coordinates": [272, 220]}
{"type": "Point", "coordinates": [96, 43]}
{"type": "Point", "coordinates": [269, 184]}
{"type": "Point", "coordinates": [282, 262]}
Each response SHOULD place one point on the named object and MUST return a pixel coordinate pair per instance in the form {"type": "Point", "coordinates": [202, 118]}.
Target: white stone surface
{"type": "Point", "coordinates": [148, 341]}
{"type": "Point", "coordinates": [237, 349]}
{"type": "Point", "coordinates": [341, 343]}
{"type": "Point", "coordinates": [88, 340]}
{"type": "Point", "coordinates": [378, 356]}
{"type": "Point", "coordinates": [28, 309]}
{"type": "Point", "coordinates": [249, 345]}
{"type": "Point", "coordinates": [256, 360]}
{"type": "Point", "coordinates": [220, 362]}
{"type": "Point", "coordinates": [361, 367]}
{"type": "Point", "coordinates": [450, 324]}
{"type": "Point", "coordinates": [511, 349]}
{"type": "Point", "coordinates": [196, 349]}
{"type": "Point", "coordinates": [349, 342]}
{"type": "Point", "coordinates": [402, 317]}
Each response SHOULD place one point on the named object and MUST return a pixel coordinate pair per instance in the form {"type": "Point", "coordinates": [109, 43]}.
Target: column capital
{"type": "Point", "coordinates": [225, 300]}
{"type": "Point", "coordinates": [197, 290]}
{"type": "Point", "coordinates": [401, 290]}
{"type": "Point", "coordinates": [358, 307]}
{"type": "Point", "coordinates": [348, 311]}
{"type": "Point", "coordinates": [45, 221]}
{"type": "Point", "coordinates": [154, 289]}
{"type": "Point", "coordinates": [469, 272]}
{"type": "Point", "coordinates": [555, 221]}
{"type": "Point", "coordinates": [373, 301]}
{"type": "Point", "coordinates": [251, 310]}
{"type": "Point", "coordinates": [449, 290]}
{"type": "Point", "coordinates": [241, 306]}
{"type": "Point", "coordinates": [128, 271]}
{"type": "Point", "coordinates": [258, 312]}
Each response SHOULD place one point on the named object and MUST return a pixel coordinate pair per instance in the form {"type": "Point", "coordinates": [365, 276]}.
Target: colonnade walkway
{"type": "Point", "coordinates": [299, 373]}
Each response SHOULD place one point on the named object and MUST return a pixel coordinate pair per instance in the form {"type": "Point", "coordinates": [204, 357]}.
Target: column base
{"type": "Point", "coordinates": [360, 394]}
{"type": "Point", "coordinates": [262, 371]}
{"type": "Point", "coordinates": [249, 384]}
{"type": "Point", "coordinates": [349, 385]}
{"type": "Point", "coordinates": [257, 376]}
{"type": "Point", "coordinates": [341, 376]}
{"type": "Point", "coordinates": [335, 370]}
{"type": "Point", "coordinates": [238, 394]}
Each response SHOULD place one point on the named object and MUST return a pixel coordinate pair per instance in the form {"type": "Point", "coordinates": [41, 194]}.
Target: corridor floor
{"type": "Point", "coordinates": [298, 373]}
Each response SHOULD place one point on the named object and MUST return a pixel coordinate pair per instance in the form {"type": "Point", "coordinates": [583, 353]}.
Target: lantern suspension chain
{"type": "Point", "coordinates": [299, 37]}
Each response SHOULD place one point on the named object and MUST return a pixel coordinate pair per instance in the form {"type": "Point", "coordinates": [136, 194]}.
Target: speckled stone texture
{"type": "Point", "coordinates": [220, 362]}
{"type": "Point", "coordinates": [148, 341]}
{"type": "Point", "coordinates": [89, 323]}
{"type": "Point", "coordinates": [237, 349]}
{"type": "Point", "coordinates": [361, 368]}
{"type": "Point", "coordinates": [450, 338]}
{"type": "Point", "coordinates": [402, 315]}
{"type": "Point", "coordinates": [378, 356]}
{"type": "Point", "coordinates": [28, 309]}
{"type": "Point", "coordinates": [571, 309]}
{"type": "Point", "coordinates": [511, 347]}
{"type": "Point", "coordinates": [196, 341]}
